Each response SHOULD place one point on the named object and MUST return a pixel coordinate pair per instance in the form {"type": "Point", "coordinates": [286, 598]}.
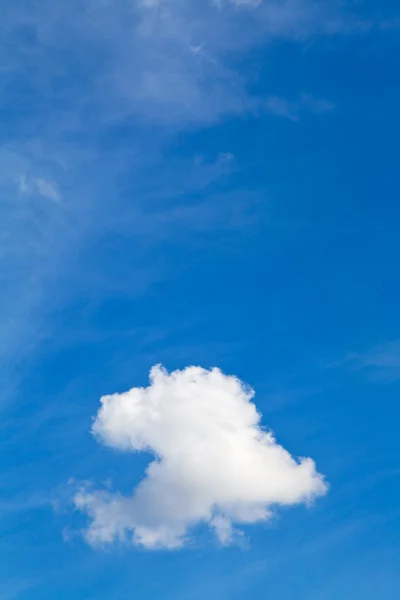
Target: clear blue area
{"type": "Point", "coordinates": [242, 211]}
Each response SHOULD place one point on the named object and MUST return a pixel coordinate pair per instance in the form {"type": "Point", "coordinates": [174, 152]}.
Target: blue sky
{"type": "Point", "coordinates": [212, 184]}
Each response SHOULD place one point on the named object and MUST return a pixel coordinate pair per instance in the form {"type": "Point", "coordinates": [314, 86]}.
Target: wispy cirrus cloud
{"type": "Point", "coordinates": [32, 240]}
{"type": "Point", "coordinates": [172, 63]}
{"type": "Point", "coordinates": [294, 109]}
{"type": "Point", "coordinates": [74, 72]}
{"type": "Point", "coordinates": [31, 185]}
{"type": "Point", "coordinates": [380, 363]}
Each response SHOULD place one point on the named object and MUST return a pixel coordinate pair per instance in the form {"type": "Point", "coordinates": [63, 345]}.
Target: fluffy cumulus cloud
{"type": "Point", "coordinates": [214, 464]}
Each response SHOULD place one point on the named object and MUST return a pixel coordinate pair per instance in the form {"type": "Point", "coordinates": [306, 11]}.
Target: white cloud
{"type": "Point", "coordinates": [39, 186]}
{"type": "Point", "coordinates": [171, 62]}
{"type": "Point", "coordinates": [239, 3]}
{"type": "Point", "coordinates": [281, 107]}
{"type": "Point", "coordinates": [47, 189]}
{"type": "Point", "coordinates": [181, 68]}
{"type": "Point", "coordinates": [292, 109]}
{"type": "Point", "coordinates": [381, 363]}
{"type": "Point", "coordinates": [35, 235]}
{"type": "Point", "coordinates": [214, 463]}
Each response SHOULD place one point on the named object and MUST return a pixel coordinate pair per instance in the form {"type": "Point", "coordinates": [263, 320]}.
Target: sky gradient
{"type": "Point", "coordinates": [213, 184]}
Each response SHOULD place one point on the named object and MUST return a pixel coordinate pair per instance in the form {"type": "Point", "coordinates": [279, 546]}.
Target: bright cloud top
{"type": "Point", "coordinates": [214, 464]}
